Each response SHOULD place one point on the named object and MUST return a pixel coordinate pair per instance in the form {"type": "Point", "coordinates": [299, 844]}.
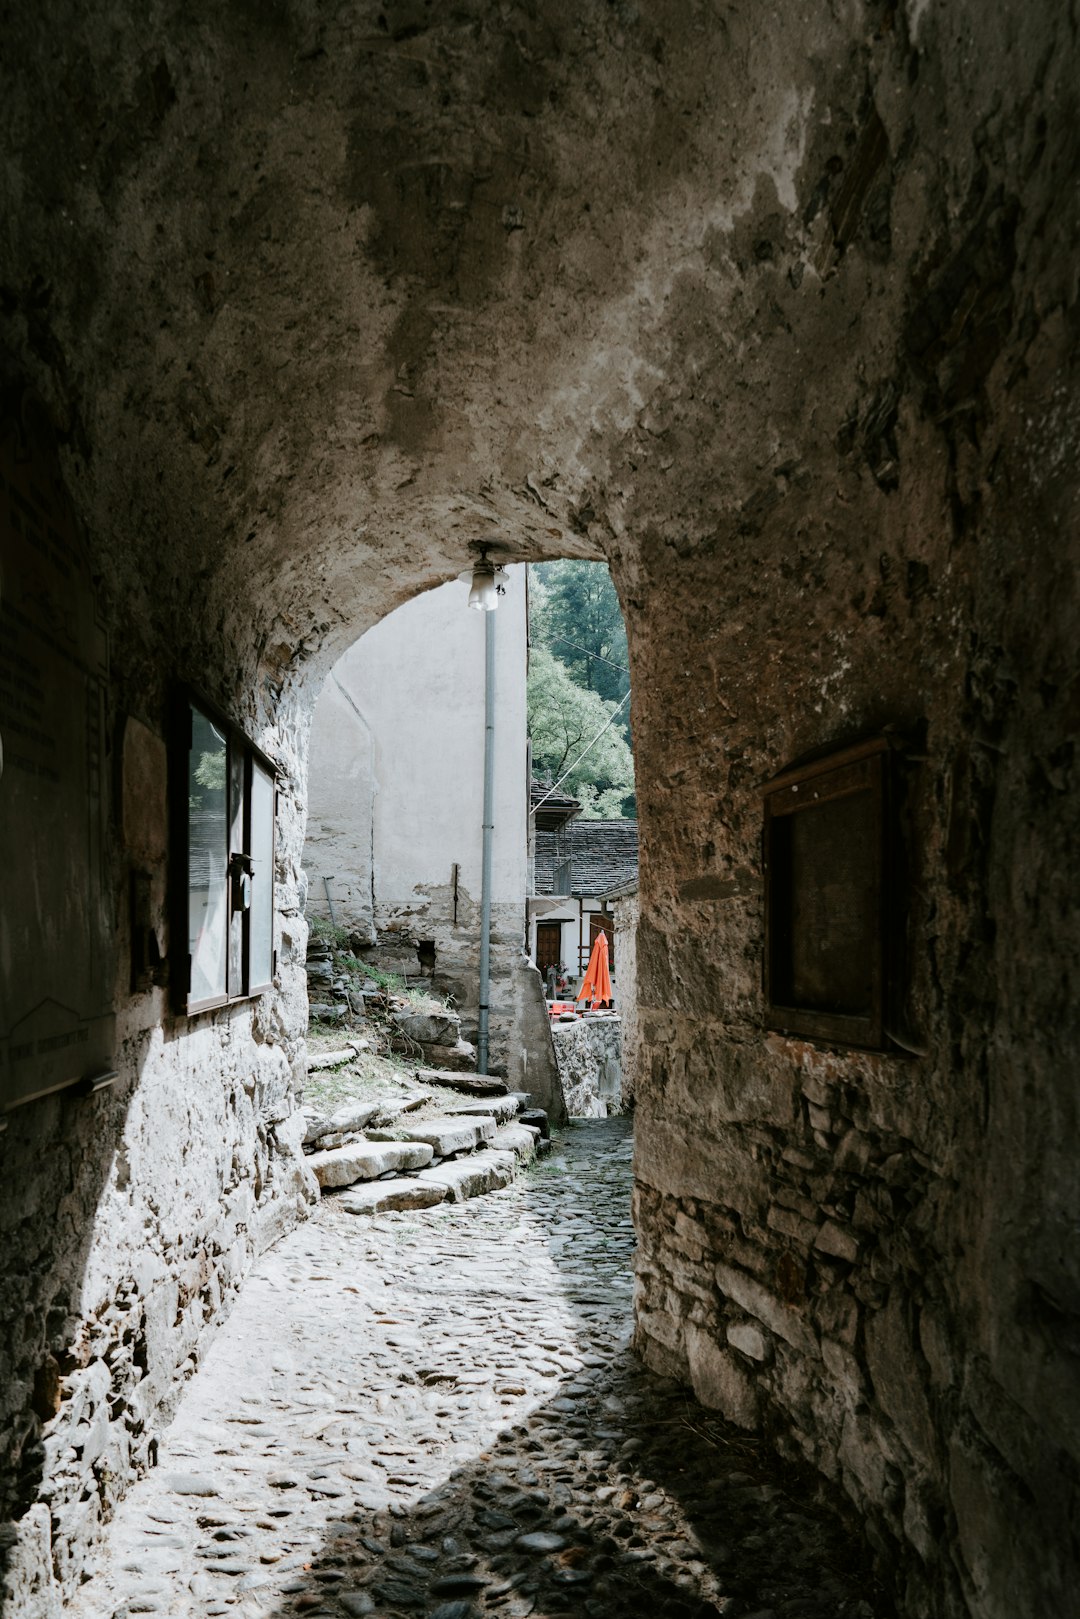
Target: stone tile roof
{"type": "Point", "coordinates": [602, 855]}
{"type": "Point", "coordinates": [555, 807]}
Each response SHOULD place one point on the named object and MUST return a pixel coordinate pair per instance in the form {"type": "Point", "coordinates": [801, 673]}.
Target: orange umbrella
{"type": "Point", "coordinates": [597, 982]}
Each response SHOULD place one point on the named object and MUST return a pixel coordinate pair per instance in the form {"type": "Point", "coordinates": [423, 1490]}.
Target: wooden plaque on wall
{"type": "Point", "coordinates": [56, 1022]}
{"type": "Point", "coordinates": [825, 841]}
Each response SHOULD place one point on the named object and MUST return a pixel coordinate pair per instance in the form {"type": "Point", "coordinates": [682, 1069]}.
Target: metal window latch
{"type": "Point", "coordinates": [240, 873]}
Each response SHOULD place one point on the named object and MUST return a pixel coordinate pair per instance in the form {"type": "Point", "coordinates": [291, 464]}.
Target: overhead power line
{"type": "Point", "coordinates": [562, 641]}
{"type": "Point", "coordinates": [611, 720]}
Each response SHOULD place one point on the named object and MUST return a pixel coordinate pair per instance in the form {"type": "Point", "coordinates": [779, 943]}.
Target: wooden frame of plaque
{"type": "Point", "coordinates": [223, 826]}
{"type": "Point", "coordinates": [827, 837]}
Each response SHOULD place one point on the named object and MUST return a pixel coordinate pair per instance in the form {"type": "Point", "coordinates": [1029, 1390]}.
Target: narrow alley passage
{"type": "Point", "coordinates": [438, 1415]}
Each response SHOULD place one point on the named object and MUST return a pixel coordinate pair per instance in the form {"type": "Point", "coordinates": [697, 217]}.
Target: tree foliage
{"type": "Point", "coordinates": [577, 678]}
{"type": "Point", "coordinates": [575, 613]}
{"type": "Point", "coordinates": [564, 717]}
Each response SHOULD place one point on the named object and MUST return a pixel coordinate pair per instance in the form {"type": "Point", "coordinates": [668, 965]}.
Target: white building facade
{"type": "Point", "coordinates": [394, 833]}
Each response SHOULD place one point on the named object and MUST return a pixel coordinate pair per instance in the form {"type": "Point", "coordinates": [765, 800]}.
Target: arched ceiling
{"type": "Point", "coordinates": [318, 294]}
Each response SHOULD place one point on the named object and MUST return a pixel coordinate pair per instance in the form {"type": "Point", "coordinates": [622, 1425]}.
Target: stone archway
{"type": "Point", "coordinates": [780, 320]}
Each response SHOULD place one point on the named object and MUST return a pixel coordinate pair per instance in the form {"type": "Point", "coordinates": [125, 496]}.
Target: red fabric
{"type": "Point", "coordinates": [596, 985]}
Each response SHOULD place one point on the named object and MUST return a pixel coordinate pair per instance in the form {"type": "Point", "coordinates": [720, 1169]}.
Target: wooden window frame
{"type": "Point", "coordinates": [237, 743]}
{"type": "Point", "coordinates": [861, 769]}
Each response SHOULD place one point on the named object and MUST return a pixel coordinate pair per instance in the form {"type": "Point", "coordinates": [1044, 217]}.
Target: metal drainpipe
{"type": "Point", "coordinates": [482, 1032]}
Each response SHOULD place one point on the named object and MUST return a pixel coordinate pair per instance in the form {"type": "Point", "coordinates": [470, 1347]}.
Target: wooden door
{"type": "Point", "coordinates": [548, 945]}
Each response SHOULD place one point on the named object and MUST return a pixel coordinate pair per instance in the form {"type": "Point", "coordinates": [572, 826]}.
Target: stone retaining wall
{"type": "Point", "coordinates": [589, 1055]}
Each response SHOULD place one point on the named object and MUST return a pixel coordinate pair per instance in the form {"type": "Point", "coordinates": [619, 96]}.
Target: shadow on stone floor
{"type": "Point", "coordinates": [729, 1530]}
{"type": "Point", "coordinates": [652, 1505]}
{"type": "Point", "coordinates": [644, 1503]}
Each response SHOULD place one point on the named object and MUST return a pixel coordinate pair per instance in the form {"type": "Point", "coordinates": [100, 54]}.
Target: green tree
{"type": "Point", "coordinates": [575, 613]}
{"type": "Point", "coordinates": [563, 719]}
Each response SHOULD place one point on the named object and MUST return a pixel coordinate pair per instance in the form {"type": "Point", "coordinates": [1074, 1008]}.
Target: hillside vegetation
{"type": "Point", "coordinates": [579, 687]}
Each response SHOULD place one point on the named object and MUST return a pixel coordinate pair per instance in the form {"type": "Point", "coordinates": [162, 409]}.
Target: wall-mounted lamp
{"type": "Point", "coordinates": [486, 585]}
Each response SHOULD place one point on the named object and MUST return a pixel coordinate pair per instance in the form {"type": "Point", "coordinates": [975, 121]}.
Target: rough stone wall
{"type": "Point", "coordinates": [428, 916]}
{"type": "Point", "coordinates": [589, 1054]}
{"type": "Point", "coordinates": [129, 1218]}
{"type": "Point", "coordinates": [627, 913]}
{"type": "Point", "coordinates": [868, 1254]}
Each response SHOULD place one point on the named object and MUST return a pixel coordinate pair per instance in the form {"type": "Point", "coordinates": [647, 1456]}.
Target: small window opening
{"type": "Point", "coordinates": [224, 810]}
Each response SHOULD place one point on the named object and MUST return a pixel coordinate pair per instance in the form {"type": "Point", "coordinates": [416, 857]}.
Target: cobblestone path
{"type": "Point", "coordinates": [437, 1416]}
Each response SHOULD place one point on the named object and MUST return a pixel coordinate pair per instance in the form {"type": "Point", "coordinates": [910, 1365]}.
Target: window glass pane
{"type": "Point", "coordinates": [262, 883]}
{"type": "Point", "coordinates": [833, 905]}
{"type": "Point", "coordinates": [237, 911]}
{"type": "Point", "coordinates": [207, 859]}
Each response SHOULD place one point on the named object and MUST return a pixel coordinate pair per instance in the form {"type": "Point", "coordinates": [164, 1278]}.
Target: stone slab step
{"type": "Point", "coordinates": [486, 1171]}
{"type": "Point", "coordinates": [341, 1127]}
{"type": "Point", "coordinates": [367, 1160]}
{"type": "Point", "coordinates": [470, 1084]}
{"type": "Point", "coordinates": [353, 1115]}
{"type": "Point", "coordinates": [448, 1136]}
{"type": "Point", "coordinates": [392, 1107]}
{"type": "Point", "coordinates": [537, 1118]}
{"type": "Point", "coordinates": [520, 1139]}
{"type": "Point", "coordinates": [500, 1108]}
{"type": "Point", "coordinates": [381, 1196]}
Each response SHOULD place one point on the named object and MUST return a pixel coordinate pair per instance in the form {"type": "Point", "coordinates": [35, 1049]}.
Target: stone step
{"type": "Point", "coordinates": [449, 1136]}
{"type": "Point", "coordinates": [470, 1084]}
{"type": "Point", "coordinates": [486, 1171]}
{"type": "Point", "coordinates": [381, 1196]}
{"type": "Point", "coordinates": [353, 1116]}
{"type": "Point", "coordinates": [520, 1139]}
{"type": "Point", "coordinates": [500, 1108]}
{"type": "Point", "coordinates": [367, 1160]}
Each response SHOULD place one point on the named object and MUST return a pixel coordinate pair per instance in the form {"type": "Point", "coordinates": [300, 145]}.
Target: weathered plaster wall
{"type": "Point", "coordinates": [779, 313]}
{"type": "Point", "coordinates": [396, 791]}
{"type": "Point", "coordinates": [337, 861]}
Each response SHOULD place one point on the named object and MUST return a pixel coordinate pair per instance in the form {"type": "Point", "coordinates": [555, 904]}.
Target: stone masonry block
{"type": "Point", "coordinates": [720, 1383]}
{"type": "Point", "coordinates": [820, 1119]}
{"type": "Point", "coordinates": [845, 1370]}
{"type": "Point", "coordinates": [791, 1225]}
{"type": "Point", "coordinates": [481, 1172]}
{"type": "Point", "coordinates": [815, 1090]}
{"type": "Point", "coordinates": [898, 1382]}
{"type": "Point", "coordinates": [838, 1241]}
{"type": "Point", "coordinates": [661, 1327]}
{"type": "Point", "coordinates": [744, 1336]}
{"type": "Point", "coordinates": [367, 1161]}
{"type": "Point", "coordinates": [756, 1300]}
{"type": "Point", "coordinates": [448, 1136]}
